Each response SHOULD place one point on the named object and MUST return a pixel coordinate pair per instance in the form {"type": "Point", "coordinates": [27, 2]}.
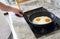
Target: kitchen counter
{"type": "Point", "coordinates": [22, 29]}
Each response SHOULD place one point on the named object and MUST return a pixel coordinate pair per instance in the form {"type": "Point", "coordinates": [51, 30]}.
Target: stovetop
{"type": "Point", "coordinates": [40, 31]}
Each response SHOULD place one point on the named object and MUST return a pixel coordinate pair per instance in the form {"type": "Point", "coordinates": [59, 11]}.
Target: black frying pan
{"type": "Point", "coordinates": [38, 14]}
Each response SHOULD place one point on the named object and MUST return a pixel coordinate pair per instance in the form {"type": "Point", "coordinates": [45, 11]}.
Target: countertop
{"type": "Point", "coordinates": [22, 29]}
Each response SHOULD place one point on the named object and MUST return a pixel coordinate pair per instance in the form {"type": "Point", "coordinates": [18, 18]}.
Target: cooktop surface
{"type": "Point", "coordinates": [40, 31]}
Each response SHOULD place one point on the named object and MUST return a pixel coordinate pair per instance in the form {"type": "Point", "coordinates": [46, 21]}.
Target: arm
{"type": "Point", "coordinates": [11, 9]}
{"type": "Point", "coordinates": [5, 7]}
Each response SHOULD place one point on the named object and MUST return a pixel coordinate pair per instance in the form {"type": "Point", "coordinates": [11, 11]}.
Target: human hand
{"type": "Point", "coordinates": [17, 12]}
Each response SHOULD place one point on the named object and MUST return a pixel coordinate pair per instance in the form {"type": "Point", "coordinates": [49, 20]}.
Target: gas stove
{"type": "Point", "coordinates": [40, 31]}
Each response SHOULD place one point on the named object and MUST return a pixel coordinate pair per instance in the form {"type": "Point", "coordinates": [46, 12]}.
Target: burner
{"type": "Point", "coordinates": [40, 31]}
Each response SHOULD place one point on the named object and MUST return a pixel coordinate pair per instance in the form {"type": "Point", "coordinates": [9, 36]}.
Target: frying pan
{"type": "Point", "coordinates": [39, 14]}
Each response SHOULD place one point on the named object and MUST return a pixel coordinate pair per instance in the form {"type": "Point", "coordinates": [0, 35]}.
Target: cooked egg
{"type": "Point", "coordinates": [38, 19]}
{"type": "Point", "coordinates": [42, 20]}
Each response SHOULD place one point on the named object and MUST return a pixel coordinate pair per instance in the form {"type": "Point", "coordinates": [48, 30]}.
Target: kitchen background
{"type": "Point", "coordinates": [20, 26]}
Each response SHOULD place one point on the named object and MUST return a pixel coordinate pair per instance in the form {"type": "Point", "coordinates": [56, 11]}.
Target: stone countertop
{"type": "Point", "coordinates": [22, 29]}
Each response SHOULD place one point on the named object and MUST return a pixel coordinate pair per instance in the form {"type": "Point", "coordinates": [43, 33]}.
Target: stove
{"type": "Point", "coordinates": [40, 31]}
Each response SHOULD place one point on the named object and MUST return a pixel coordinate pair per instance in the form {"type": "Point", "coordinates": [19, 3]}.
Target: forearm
{"type": "Point", "coordinates": [5, 7]}
{"type": "Point", "coordinates": [11, 9]}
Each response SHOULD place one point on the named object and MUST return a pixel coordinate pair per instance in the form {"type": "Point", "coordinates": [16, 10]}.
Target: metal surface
{"type": "Point", "coordinates": [11, 36]}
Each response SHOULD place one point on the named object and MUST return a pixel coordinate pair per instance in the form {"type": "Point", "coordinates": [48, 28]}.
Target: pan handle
{"type": "Point", "coordinates": [6, 13]}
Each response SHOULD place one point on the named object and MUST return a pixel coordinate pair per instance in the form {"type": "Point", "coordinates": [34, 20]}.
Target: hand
{"type": "Point", "coordinates": [17, 12]}
{"type": "Point", "coordinates": [10, 9]}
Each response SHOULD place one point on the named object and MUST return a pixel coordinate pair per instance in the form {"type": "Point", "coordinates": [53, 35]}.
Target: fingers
{"type": "Point", "coordinates": [20, 14]}
{"type": "Point", "coordinates": [17, 15]}
{"type": "Point", "coordinates": [17, 12]}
